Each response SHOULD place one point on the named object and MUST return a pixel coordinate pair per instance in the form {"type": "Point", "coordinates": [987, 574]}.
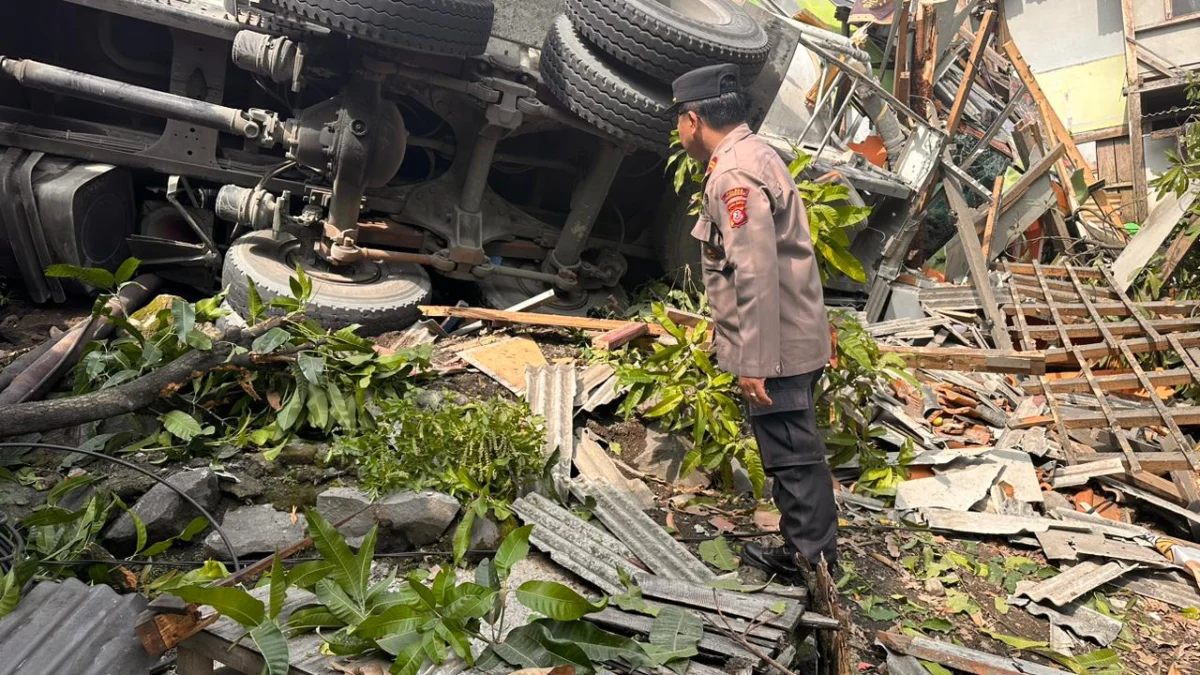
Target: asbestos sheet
{"type": "Point", "coordinates": [957, 490]}
{"type": "Point", "coordinates": [592, 462]}
{"type": "Point", "coordinates": [1080, 474]}
{"type": "Point", "coordinates": [1016, 469]}
{"type": "Point", "coordinates": [1081, 620]}
{"type": "Point", "coordinates": [1074, 582]}
{"type": "Point", "coordinates": [1059, 545]}
{"type": "Point", "coordinates": [970, 522]}
{"type": "Point", "coordinates": [550, 390]}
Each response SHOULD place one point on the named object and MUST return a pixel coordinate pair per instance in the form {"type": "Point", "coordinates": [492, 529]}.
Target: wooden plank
{"type": "Point", "coordinates": [977, 265]}
{"type": "Point", "coordinates": [1157, 402]}
{"type": "Point", "coordinates": [1097, 135]}
{"type": "Point", "coordinates": [1141, 248]}
{"type": "Point", "coordinates": [927, 40]}
{"type": "Point", "coordinates": [1057, 128]}
{"type": "Point", "coordinates": [1148, 57]}
{"type": "Point", "coordinates": [1133, 74]}
{"type": "Point", "coordinates": [1058, 355]}
{"type": "Point", "coordinates": [191, 662]}
{"type": "Point", "coordinates": [1123, 159]}
{"type": "Point", "coordinates": [1179, 248]}
{"type": "Point", "coordinates": [1160, 307]}
{"type": "Point", "coordinates": [902, 81]}
{"type": "Point", "coordinates": [1151, 334]}
{"type": "Point", "coordinates": [1152, 462]}
{"type": "Point", "coordinates": [969, 359]}
{"type": "Point", "coordinates": [1129, 418]}
{"type": "Point", "coordinates": [1175, 377]}
{"type": "Point", "coordinates": [1056, 271]}
{"type": "Point", "coordinates": [1106, 161]}
{"type": "Point", "coordinates": [619, 337]}
{"type": "Point", "coordinates": [532, 319]}
{"type": "Point", "coordinates": [506, 361]}
{"type": "Point", "coordinates": [993, 211]}
{"type": "Point", "coordinates": [968, 78]}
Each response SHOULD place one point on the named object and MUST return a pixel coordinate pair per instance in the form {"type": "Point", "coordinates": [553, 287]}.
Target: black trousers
{"type": "Point", "coordinates": [794, 456]}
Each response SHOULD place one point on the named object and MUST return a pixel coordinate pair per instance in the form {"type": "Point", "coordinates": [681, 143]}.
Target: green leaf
{"type": "Point", "coordinates": [290, 412]}
{"type": "Point", "coordinates": [278, 592]}
{"type": "Point", "coordinates": [197, 339]}
{"type": "Point", "coordinates": [935, 668]}
{"type": "Point", "coordinates": [485, 575]}
{"type": "Point", "coordinates": [312, 617]}
{"type": "Point", "coordinates": [92, 276]}
{"type": "Point", "coordinates": [126, 271]}
{"type": "Point", "coordinates": [10, 593]}
{"type": "Point", "coordinates": [462, 535]}
{"type": "Point", "coordinates": [311, 366]}
{"type": "Point", "coordinates": [273, 646]}
{"type": "Point", "coordinates": [270, 341]}
{"type": "Point", "coordinates": [937, 624]}
{"type": "Point", "coordinates": [398, 625]}
{"type": "Point", "coordinates": [716, 552]}
{"type": "Point", "coordinates": [69, 485]}
{"type": "Point", "coordinates": [346, 643]}
{"type": "Point", "coordinates": [255, 302]}
{"type": "Point", "coordinates": [512, 550]}
{"type": "Point", "coordinates": [234, 603]}
{"type": "Point", "coordinates": [409, 659]}
{"type": "Point", "coordinates": [339, 409]}
{"type": "Point", "coordinates": [469, 601]}
{"type": "Point", "coordinates": [306, 574]}
{"type": "Point", "coordinates": [668, 403]}
{"type": "Point", "coordinates": [183, 315]}
{"type": "Point", "coordinates": [139, 526]}
{"type": "Point", "coordinates": [598, 644]}
{"type": "Point", "coordinates": [530, 646]}
{"type": "Point", "coordinates": [1014, 641]}
{"type": "Point", "coordinates": [556, 601]}
{"type": "Point", "coordinates": [318, 407]}
{"type": "Point", "coordinates": [735, 585]}
{"type": "Point", "coordinates": [442, 583]}
{"type": "Point", "coordinates": [881, 612]}
{"type": "Point", "coordinates": [960, 603]}
{"type": "Point", "coordinates": [332, 547]}
{"type": "Point", "coordinates": [180, 425]}
{"type": "Point", "coordinates": [345, 608]}
{"type": "Point", "coordinates": [1000, 605]}
{"type": "Point", "coordinates": [675, 634]}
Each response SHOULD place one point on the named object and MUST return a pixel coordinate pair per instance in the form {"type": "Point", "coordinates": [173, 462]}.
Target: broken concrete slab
{"type": "Point", "coordinates": [255, 529]}
{"type": "Point", "coordinates": [422, 516]}
{"type": "Point", "coordinates": [164, 513]}
{"type": "Point", "coordinates": [956, 490]}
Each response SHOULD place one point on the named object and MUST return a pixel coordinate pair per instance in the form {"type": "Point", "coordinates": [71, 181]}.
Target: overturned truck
{"type": "Point", "coordinates": [519, 145]}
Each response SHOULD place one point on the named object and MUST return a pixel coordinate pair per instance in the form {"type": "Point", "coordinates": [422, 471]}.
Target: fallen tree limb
{"type": "Point", "coordinates": [24, 418]}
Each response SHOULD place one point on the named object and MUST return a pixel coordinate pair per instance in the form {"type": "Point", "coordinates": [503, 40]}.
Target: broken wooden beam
{"type": "Point", "coordinates": [619, 337]}
{"type": "Point", "coordinates": [977, 265]}
{"type": "Point", "coordinates": [1117, 328]}
{"type": "Point", "coordinates": [968, 77]}
{"type": "Point", "coordinates": [532, 319]}
{"type": "Point", "coordinates": [1160, 307]}
{"type": "Point", "coordinates": [1127, 381]}
{"type": "Point", "coordinates": [971, 360]}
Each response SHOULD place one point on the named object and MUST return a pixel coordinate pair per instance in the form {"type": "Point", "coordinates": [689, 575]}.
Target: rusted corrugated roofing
{"type": "Point", "coordinates": [70, 627]}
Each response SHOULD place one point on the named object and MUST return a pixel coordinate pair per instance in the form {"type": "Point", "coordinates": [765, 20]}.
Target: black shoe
{"type": "Point", "coordinates": [778, 561]}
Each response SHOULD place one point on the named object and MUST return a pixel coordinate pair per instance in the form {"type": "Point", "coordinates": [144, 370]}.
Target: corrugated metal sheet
{"type": "Point", "coordinates": [1074, 582]}
{"type": "Point", "coordinates": [646, 538]}
{"type": "Point", "coordinates": [604, 394]}
{"type": "Point", "coordinates": [550, 391]}
{"type": "Point", "coordinates": [711, 643]}
{"type": "Point", "coordinates": [590, 379]}
{"type": "Point", "coordinates": [592, 462]}
{"type": "Point", "coordinates": [989, 523]}
{"type": "Point", "coordinates": [1173, 593]}
{"type": "Point", "coordinates": [570, 541]}
{"type": "Point", "coordinates": [1083, 621]}
{"type": "Point", "coordinates": [755, 606]}
{"type": "Point", "coordinates": [72, 628]}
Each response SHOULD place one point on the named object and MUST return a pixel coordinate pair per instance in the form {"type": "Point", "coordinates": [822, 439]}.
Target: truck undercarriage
{"type": "Point", "coordinates": [336, 145]}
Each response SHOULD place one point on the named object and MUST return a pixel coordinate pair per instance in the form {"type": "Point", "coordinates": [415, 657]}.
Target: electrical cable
{"type": "Point", "coordinates": [237, 564]}
{"type": "Point", "coordinates": [12, 545]}
{"type": "Point", "coordinates": [285, 561]}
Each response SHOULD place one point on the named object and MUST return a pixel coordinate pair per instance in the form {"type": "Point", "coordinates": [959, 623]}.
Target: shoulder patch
{"type": "Point", "coordinates": [712, 164]}
{"type": "Point", "coordinates": [735, 204]}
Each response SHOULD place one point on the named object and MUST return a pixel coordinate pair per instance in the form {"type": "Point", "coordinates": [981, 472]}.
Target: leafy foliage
{"type": "Point", "coordinates": [845, 397]}
{"type": "Point", "coordinates": [830, 215]}
{"type": "Point", "coordinates": [429, 619]}
{"type": "Point", "coordinates": [480, 450]}
{"type": "Point", "coordinates": [686, 393]}
{"type": "Point", "coordinates": [305, 380]}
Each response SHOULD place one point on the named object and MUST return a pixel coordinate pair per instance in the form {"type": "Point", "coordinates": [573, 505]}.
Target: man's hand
{"type": "Point", "coordinates": [755, 389]}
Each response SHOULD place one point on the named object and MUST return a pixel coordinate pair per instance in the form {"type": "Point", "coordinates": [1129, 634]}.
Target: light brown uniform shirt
{"type": "Point", "coordinates": [763, 284]}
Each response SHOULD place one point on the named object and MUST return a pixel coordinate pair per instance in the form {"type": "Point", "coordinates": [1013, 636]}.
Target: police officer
{"type": "Point", "coordinates": [767, 305]}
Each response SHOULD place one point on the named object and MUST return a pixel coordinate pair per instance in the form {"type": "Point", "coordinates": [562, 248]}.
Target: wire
{"type": "Point", "coordinates": [237, 564]}
{"type": "Point", "coordinates": [286, 561]}
{"type": "Point", "coordinates": [12, 545]}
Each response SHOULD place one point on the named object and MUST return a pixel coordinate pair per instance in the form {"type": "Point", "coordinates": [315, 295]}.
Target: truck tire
{"type": "Point", "coordinates": [378, 296]}
{"type": "Point", "coordinates": [577, 75]}
{"type": "Point", "coordinates": [444, 27]}
{"type": "Point", "coordinates": [666, 39]}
